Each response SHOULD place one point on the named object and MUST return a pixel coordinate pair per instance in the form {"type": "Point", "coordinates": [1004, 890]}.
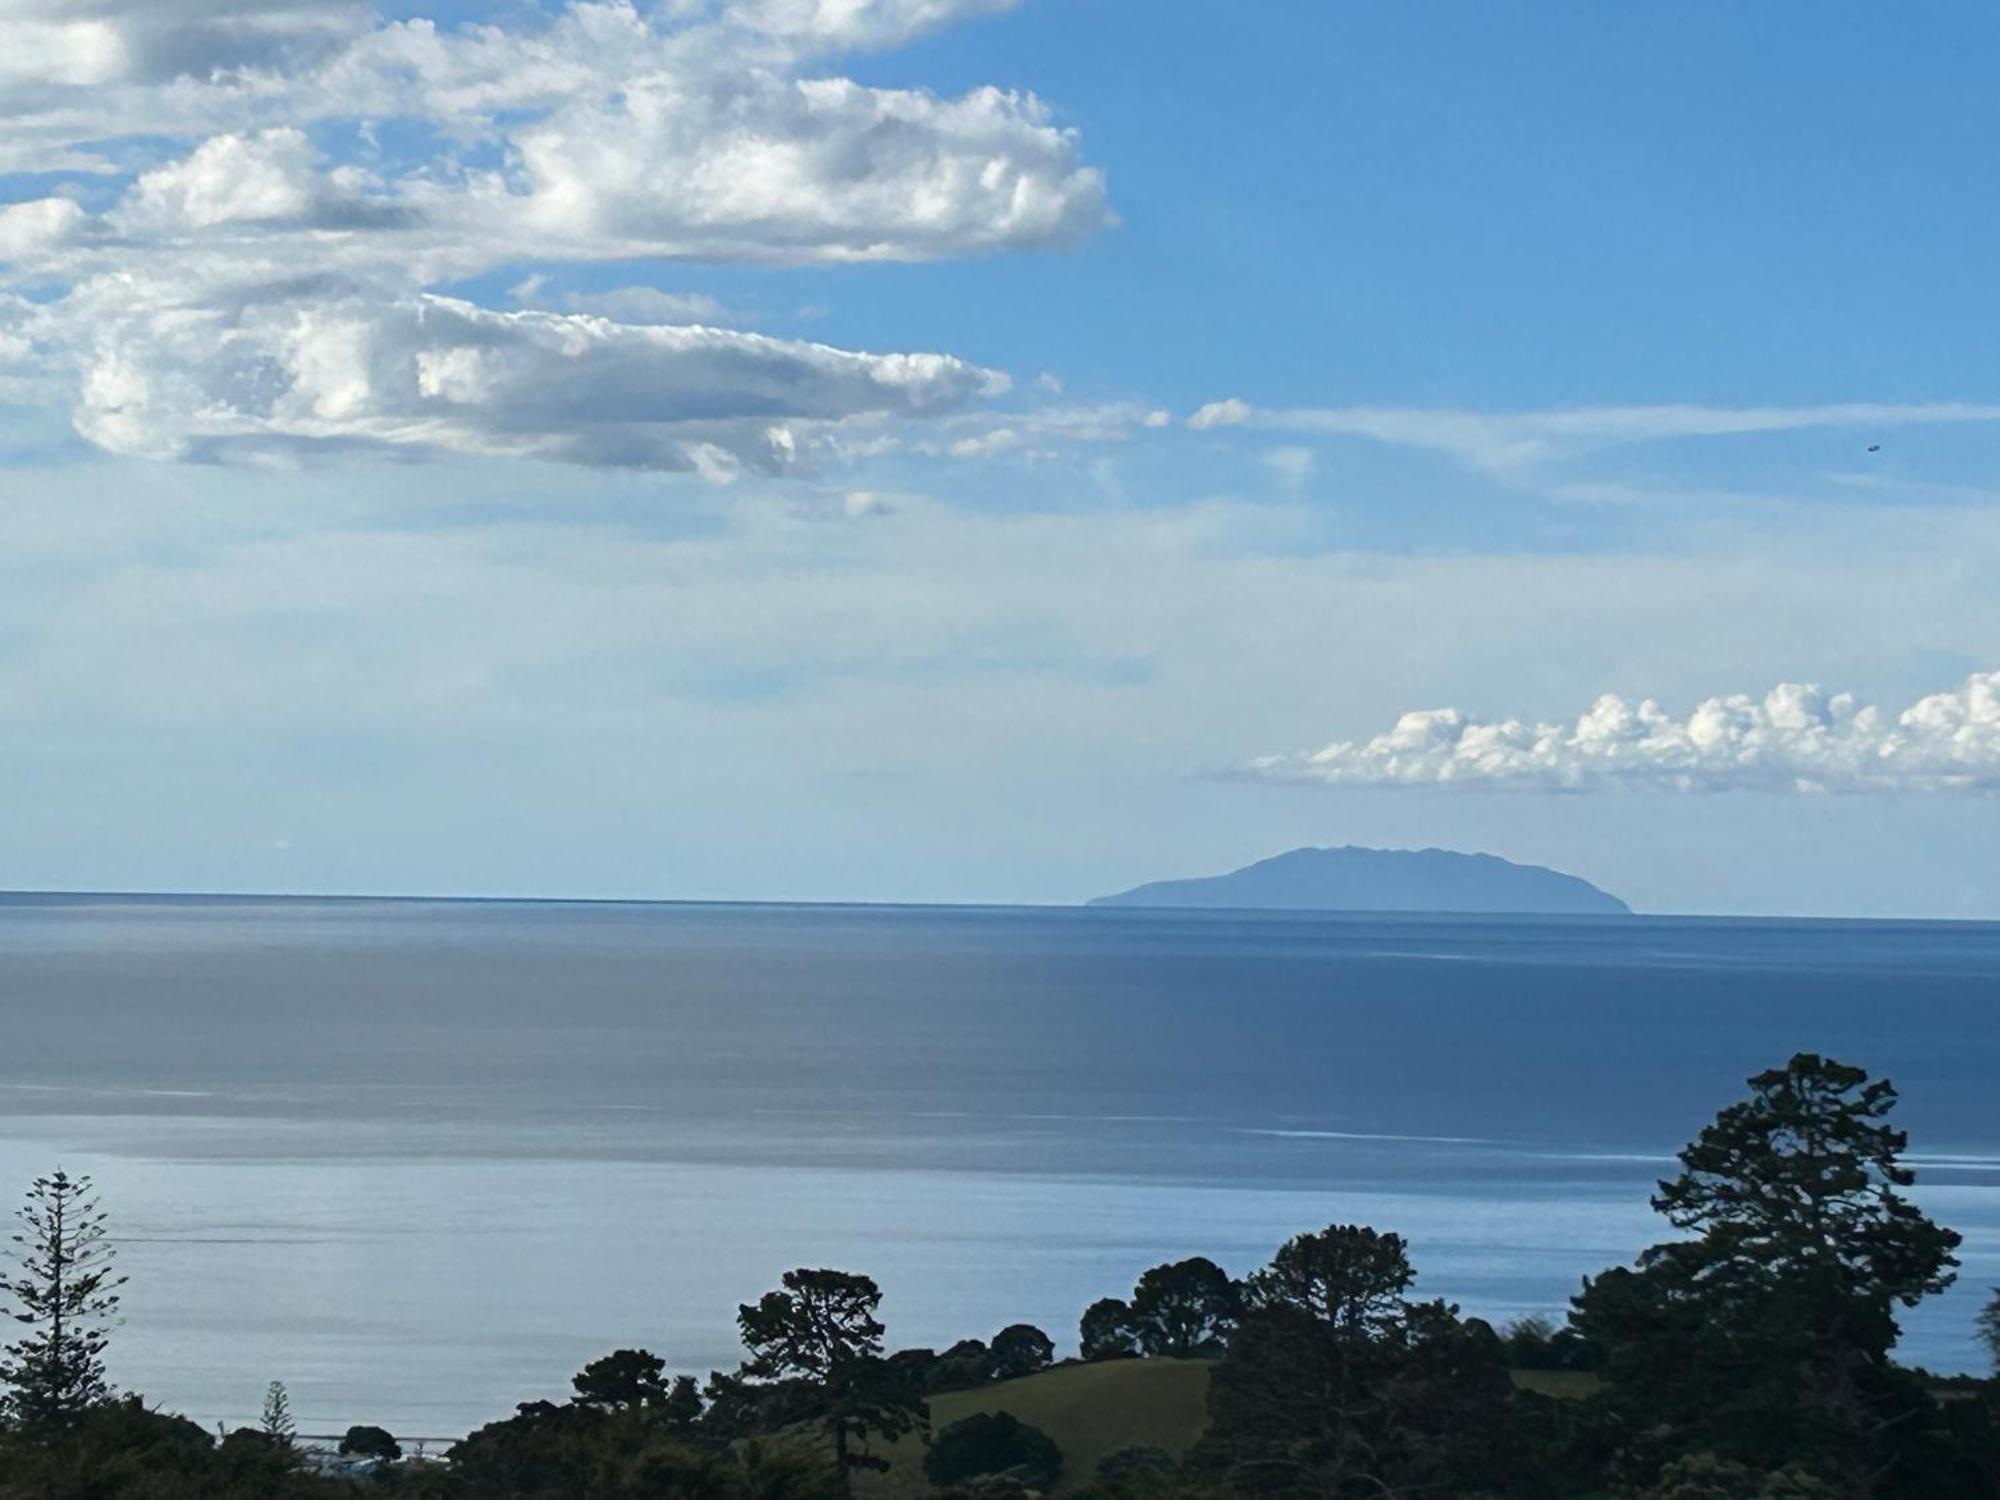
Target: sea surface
{"type": "Point", "coordinates": [422, 1160]}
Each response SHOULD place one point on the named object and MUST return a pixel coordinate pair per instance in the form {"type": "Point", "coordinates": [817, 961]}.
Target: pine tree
{"type": "Point", "coordinates": [821, 1327]}
{"type": "Point", "coordinates": [1764, 1335]}
{"type": "Point", "coordinates": [277, 1421]}
{"type": "Point", "coordinates": [64, 1291]}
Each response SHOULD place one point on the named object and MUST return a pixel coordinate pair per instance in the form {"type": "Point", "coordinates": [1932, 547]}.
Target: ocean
{"type": "Point", "coordinates": [422, 1159]}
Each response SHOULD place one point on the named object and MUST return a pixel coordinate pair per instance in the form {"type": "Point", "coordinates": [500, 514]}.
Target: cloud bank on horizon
{"type": "Point", "coordinates": [277, 279]}
{"type": "Point", "coordinates": [1796, 737]}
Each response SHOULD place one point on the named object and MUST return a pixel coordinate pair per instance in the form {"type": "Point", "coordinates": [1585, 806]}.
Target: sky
{"type": "Point", "coordinates": [998, 450]}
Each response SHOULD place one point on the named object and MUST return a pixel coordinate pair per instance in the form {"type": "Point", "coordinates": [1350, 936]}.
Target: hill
{"type": "Point", "coordinates": [1091, 1411]}
{"type": "Point", "coordinates": [1095, 1410]}
{"type": "Point", "coordinates": [1409, 880]}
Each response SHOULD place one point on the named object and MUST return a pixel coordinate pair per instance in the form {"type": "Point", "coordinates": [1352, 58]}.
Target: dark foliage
{"type": "Point", "coordinates": [1763, 1338]}
{"type": "Point", "coordinates": [1106, 1331]}
{"type": "Point", "coordinates": [1186, 1310]}
{"type": "Point", "coordinates": [994, 1443]}
{"type": "Point", "coordinates": [1337, 1386]}
{"type": "Point", "coordinates": [623, 1379]}
{"type": "Point", "coordinates": [959, 1368]}
{"type": "Point", "coordinates": [550, 1452]}
{"type": "Point", "coordinates": [1019, 1349]}
{"type": "Point", "coordinates": [118, 1450]}
{"type": "Point", "coordinates": [1133, 1472]}
{"type": "Point", "coordinates": [363, 1441]}
{"type": "Point", "coordinates": [820, 1327]}
{"type": "Point", "coordinates": [1537, 1344]}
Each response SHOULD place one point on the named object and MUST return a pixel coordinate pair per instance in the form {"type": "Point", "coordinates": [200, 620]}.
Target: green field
{"type": "Point", "coordinates": [1090, 1411]}
{"type": "Point", "coordinates": [1095, 1410]}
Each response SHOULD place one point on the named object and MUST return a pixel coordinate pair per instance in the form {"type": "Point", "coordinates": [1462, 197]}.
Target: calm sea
{"type": "Point", "coordinates": [421, 1160]}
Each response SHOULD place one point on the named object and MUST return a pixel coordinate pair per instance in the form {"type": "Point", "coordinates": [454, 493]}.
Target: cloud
{"type": "Point", "coordinates": [1231, 413]}
{"type": "Point", "coordinates": [1290, 466]}
{"type": "Point", "coordinates": [1796, 737]}
{"type": "Point", "coordinates": [629, 304]}
{"type": "Point", "coordinates": [90, 43]}
{"type": "Point", "coordinates": [318, 365]}
{"type": "Point", "coordinates": [1512, 443]}
{"type": "Point", "coordinates": [29, 231]}
{"type": "Point", "coordinates": [277, 279]}
{"type": "Point", "coordinates": [844, 24]}
{"type": "Point", "coordinates": [800, 170]}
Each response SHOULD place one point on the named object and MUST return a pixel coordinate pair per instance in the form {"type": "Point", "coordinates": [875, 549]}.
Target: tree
{"type": "Point", "coordinates": [1106, 1330]}
{"type": "Point", "coordinates": [277, 1421]}
{"type": "Point", "coordinates": [1337, 1386]}
{"type": "Point", "coordinates": [1347, 1276]}
{"type": "Point", "coordinates": [622, 1380]}
{"type": "Point", "coordinates": [683, 1404]}
{"type": "Point", "coordinates": [820, 1326]}
{"type": "Point", "coordinates": [1019, 1349]}
{"type": "Point", "coordinates": [1988, 1328]}
{"type": "Point", "coordinates": [815, 1321]}
{"type": "Point", "coordinates": [1763, 1337]}
{"type": "Point", "coordinates": [994, 1443]}
{"type": "Point", "coordinates": [1185, 1310]}
{"type": "Point", "coordinates": [362, 1441]}
{"type": "Point", "coordinates": [64, 1291]}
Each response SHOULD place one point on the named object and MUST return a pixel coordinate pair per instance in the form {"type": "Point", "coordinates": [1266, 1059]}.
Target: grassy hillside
{"type": "Point", "coordinates": [1090, 1411]}
{"type": "Point", "coordinates": [1095, 1410]}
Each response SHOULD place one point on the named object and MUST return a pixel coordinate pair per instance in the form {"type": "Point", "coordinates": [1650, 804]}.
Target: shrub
{"type": "Point", "coordinates": [993, 1443]}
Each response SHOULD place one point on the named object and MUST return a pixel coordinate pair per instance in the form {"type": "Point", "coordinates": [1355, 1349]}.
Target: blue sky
{"type": "Point", "coordinates": [720, 449]}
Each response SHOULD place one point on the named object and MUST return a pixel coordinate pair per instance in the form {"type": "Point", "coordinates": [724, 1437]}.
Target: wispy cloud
{"type": "Point", "coordinates": [1512, 444]}
{"type": "Point", "coordinates": [1795, 737]}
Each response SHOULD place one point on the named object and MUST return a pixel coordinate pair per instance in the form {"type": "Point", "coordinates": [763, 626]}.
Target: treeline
{"type": "Point", "coordinates": [1748, 1357]}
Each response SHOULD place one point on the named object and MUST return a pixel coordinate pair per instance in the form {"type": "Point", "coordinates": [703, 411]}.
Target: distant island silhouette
{"type": "Point", "coordinates": [1354, 879]}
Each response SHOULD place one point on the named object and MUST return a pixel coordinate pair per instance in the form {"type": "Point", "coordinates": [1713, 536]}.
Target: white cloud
{"type": "Point", "coordinates": [1795, 737]}
{"type": "Point", "coordinates": [90, 43]}
{"type": "Point", "coordinates": [269, 286]}
{"type": "Point", "coordinates": [789, 170]}
{"type": "Point", "coordinates": [855, 23]}
{"type": "Point", "coordinates": [318, 365]}
{"type": "Point", "coordinates": [29, 231]}
{"type": "Point", "coordinates": [1515, 442]}
{"type": "Point", "coordinates": [630, 304]}
{"type": "Point", "coordinates": [1233, 412]}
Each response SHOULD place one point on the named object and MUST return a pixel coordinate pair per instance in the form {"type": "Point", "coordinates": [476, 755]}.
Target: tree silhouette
{"type": "Point", "coordinates": [1336, 1385]}
{"type": "Point", "coordinates": [1105, 1331]}
{"type": "Point", "coordinates": [622, 1380]}
{"type": "Point", "coordinates": [63, 1290]}
{"type": "Point", "coordinates": [1764, 1336]}
{"type": "Point", "coordinates": [1988, 1328]}
{"type": "Point", "coordinates": [363, 1441]}
{"type": "Point", "coordinates": [820, 1326]}
{"type": "Point", "coordinates": [277, 1421]}
{"type": "Point", "coordinates": [1185, 1310]}
{"type": "Point", "coordinates": [1019, 1349]}
{"type": "Point", "coordinates": [1347, 1275]}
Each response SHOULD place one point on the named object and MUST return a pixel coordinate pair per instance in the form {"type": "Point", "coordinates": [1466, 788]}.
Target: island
{"type": "Point", "coordinates": [1407, 880]}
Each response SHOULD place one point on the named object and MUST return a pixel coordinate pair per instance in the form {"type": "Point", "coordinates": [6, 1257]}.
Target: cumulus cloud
{"type": "Point", "coordinates": [90, 43]}
{"type": "Point", "coordinates": [1795, 737]}
{"type": "Point", "coordinates": [315, 365]}
{"type": "Point", "coordinates": [275, 278]}
{"type": "Point", "coordinates": [766, 169]}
